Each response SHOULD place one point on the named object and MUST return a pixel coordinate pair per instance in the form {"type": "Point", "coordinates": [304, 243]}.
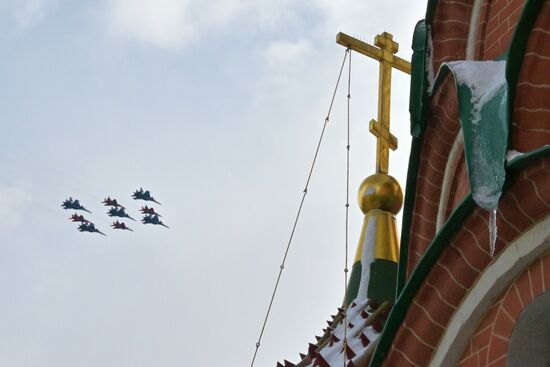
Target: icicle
{"type": "Point", "coordinates": [493, 230]}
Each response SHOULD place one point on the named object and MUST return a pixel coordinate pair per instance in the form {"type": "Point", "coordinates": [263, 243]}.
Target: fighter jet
{"type": "Point", "coordinates": [146, 210]}
{"type": "Point", "coordinates": [144, 195]}
{"type": "Point", "coordinates": [78, 218]}
{"type": "Point", "coordinates": [152, 219]}
{"type": "Point", "coordinates": [114, 212]}
{"type": "Point", "coordinates": [73, 204]}
{"type": "Point", "coordinates": [111, 202]}
{"type": "Point", "coordinates": [89, 227]}
{"type": "Point", "coordinates": [119, 225]}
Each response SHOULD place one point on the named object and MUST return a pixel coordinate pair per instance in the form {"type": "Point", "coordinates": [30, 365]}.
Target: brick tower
{"type": "Point", "coordinates": [473, 278]}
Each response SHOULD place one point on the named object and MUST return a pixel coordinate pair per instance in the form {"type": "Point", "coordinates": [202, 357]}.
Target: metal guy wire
{"type": "Point", "coordinates": [304, 193]}
{"type": "Point", "coordinates": [347, 215]}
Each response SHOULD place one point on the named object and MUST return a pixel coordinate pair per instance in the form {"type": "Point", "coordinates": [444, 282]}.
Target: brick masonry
{"type": "Point", "coordinates": [460, 186]}
{"type": "Point", "coordinates": [466, 256]}
{"type": "Point", "coordinates": [449, 30]}
{"type": "Point", "coordinates": [441, 131]}
{"type": "Point", "coordinates": [526, 202]}
{"type": "Point", "coordinates": [530, 128]}
{"type": "Point", "coordinates": [497, 22]}
{"type": "Point", "coordinates": [489, 343]}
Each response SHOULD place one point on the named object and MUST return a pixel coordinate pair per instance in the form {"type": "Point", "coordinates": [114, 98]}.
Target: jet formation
{"type": "Point", "coordinates": [150, 215]}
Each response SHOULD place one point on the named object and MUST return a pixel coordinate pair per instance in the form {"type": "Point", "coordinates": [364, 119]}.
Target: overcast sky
{"type": "Point", "coordinates": [216, 107]}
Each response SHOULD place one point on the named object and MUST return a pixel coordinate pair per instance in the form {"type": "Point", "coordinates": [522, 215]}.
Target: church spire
{"type": "Point", "coordinates": [374, 272]}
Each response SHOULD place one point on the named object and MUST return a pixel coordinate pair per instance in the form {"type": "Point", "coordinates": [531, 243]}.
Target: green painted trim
{"type": "Point", "coordinates": [502, 56]}
{"type": "Point", "coordinates": [518, 45]}
{"type": "Point", "coordinates": [485, 130]}
{"type": "Point", "coordinates": [354, 281]}
{"type": "Point", "coordinates": [442, 73]}
{"type": "Point", "coordinates": [527, 158]}
{"type": "Point", "coordinates": [436, 247]}
{"type": "Point", "coordinates": [410, 197]}
{"type": "Point", "coordinates": [382, 281]}
{"type": "Point", "coordinates": [418, 94]}
{"type": "Point", "coordinates": [430, 11]}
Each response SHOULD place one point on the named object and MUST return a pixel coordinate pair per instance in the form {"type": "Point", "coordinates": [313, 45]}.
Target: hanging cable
{"type": "Point", "coordinates": [347, 216]}
{"type": "Point", "coordinates": [304, 193]}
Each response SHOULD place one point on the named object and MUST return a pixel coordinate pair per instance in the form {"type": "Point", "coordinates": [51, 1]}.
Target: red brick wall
{"type": "Point", "coordinates": [531, 117]}
{"type": "Point", "coordinates": [460, 186]}
{"type": "Point", "coordinates": [449, 30]}
{"type": "Point", "coordinates": [489, 343]}
{"type": "Point", "coordinates": [451, 23]}
{"type": "Point", "coordinates": [497, 21]}
{"type": "Point", "coordinates": [525, 203]}
{"type": "Point", "coordinates": [441, 131]}
{"type": "Point", "coordinates": [463, 260]}
{"type": "Point", "coordinates": [530, 127]}
{"type": "Point", "coordinates": [530, 120]}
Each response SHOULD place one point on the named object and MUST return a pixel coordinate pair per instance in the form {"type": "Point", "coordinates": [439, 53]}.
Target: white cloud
{"type": "Point", "coordinates": [13, 201]}
{"type": "Point", "coordinates": [343, 13]}
{"type": "Point", "coordinates": [281, 55]}
{"type": "Point", "coordinates": [173, 24]}
{"type": "Point", "coordinates": [31, 12]}
{"type": "Point", "coordinates": [160, 22]}
{"type": "Point", "coordinates": [170, 24]}
{"type": "Point", "coordinates": [284, 61]}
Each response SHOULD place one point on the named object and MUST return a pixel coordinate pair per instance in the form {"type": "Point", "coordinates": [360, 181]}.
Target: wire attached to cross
{"type": "Point", "coordinates": [346, 270]}
{"type": "Point", "coordinates": [304, 193]}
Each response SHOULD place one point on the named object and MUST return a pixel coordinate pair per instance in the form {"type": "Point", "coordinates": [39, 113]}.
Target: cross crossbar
{"type": "Point", "coordinates": [383, 52]}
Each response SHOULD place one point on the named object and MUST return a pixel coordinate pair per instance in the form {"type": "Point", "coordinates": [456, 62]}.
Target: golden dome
{"type": "Point", "coordinates": [380, 191]}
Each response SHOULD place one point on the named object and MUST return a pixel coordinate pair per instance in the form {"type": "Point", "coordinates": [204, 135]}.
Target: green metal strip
{"type": "Point", "coordinates": [410, 197]}
{"type": "Point", "coordinates": [484, 121]}
{"type": "Point", "coordinates": [527, 158]}
{"type": "Point", "coordinates": [383, 274]}
{"type": "Point", "coordinates": [418, 108]}
{"type": "Point", "coordinates": [436, 247]}
{"type": "Point", "coordinates": [354, 281]}
{"type": "Point", "coordinates": [430, 11]}
{"type": "Point", "coordinates": [418, 94]}
{"type": "Point", "coordinates": [502, 56]}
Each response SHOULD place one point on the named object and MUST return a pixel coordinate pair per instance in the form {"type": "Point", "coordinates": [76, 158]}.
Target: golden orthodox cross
{"type": "Point", "coordinates": [384, 53]}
